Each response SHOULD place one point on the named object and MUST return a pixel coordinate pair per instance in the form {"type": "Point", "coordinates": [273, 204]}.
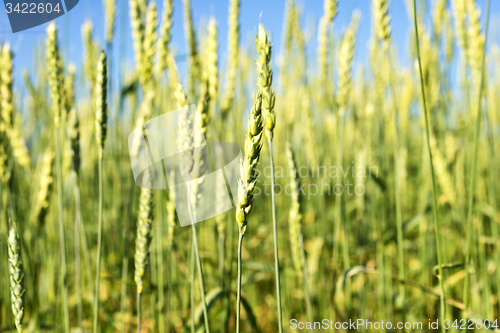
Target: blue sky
{"type": "Point", "coordinates": [268, 12]}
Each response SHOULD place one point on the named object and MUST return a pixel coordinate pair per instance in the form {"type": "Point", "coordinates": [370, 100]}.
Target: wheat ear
{"type": "Point", "coordinates": [232, 56]}
{"type": "Point", "coordinates": [194, 61]}
{"type": "Point", "coordinates": [110, 14]}
{"type": "Point", "coordinates": [142, 244]}
{"type": "Point", "coordinates": [7, 107]}
{"type": "Point", "coordinates": [16, 277]}
{"type": "Point", "coordinates": [166, 34]}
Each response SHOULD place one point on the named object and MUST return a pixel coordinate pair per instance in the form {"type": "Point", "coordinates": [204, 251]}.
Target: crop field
{"type": "Point", "coordinates": [365, 197]}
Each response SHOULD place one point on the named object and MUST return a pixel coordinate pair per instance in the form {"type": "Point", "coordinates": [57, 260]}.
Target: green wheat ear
{"type": "Point", "coordinates": [143, 239]}
{"type": "Point", "coordinates": [16, 272]}
{"type": "Point", "coordinates": [264, 81]}
{"type": "Point", "coordinates": [101, 114]}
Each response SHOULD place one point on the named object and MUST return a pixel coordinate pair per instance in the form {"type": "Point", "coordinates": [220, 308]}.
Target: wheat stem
{"type": "Point", "coordinates": [238, 293]}
{"type": "Point", "coordinates": [275, 238]}
{"type": "Point", "coordinates": [99, 246]}
{"type": "Point", "coordinates": [61, 229]}
{"type": "Point", "coordinates": [399, 218]}
{"type": "Point", "coordinates": [191, 282]}
{"type": "Point", "coordinates": [123, 291]}
{"type": "Point", "coordinates": [78, 268]}
{"type": "Point", "coordinates": [159, 251]}
{"type": "Point", "coordinates": [198, 263]}
{"type": "Point", "coordinates": [139, 312]}
{"type": "Point", "coordinates": [101, 130]}
{"type": "Point", "coordinates": [474, 164]}
{"type": "Point", "coordinates": [434, 194]}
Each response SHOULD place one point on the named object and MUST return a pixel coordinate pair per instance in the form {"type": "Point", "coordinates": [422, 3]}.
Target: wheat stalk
{"type": "Point", "coordinates": [434, 192]}
{"type": "Point", "coordinates": [265, 78]}
{"type": "Point", "coordinates": [477, 129]}
{"type": "Point", "coordinates": [74, 139]}
{"type": "Point", "coordinates": [56, 83]}
{"type": "Point", "coordinates": [170, 205]}
{"type": "Point", "coordinates": [188, 135]}
{"type": "Point", "coordinates": [101, 130]}
{"type": "Point", "coordinates": [247, 182]}
{"type": "Point", "coordinates": [295, 228]}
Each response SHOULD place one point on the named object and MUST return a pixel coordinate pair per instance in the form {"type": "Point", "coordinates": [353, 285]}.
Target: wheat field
{"type": "Point", "coordinates": [367, 190]}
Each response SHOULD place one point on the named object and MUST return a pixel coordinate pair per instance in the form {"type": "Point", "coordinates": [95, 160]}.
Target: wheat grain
{"type": "Point", "coordinates": [69, 88]}
{"type": "Point", "coordinates": [4, 144]}
{"type": "Point", "coordinates": [330, 8]}
{"type": "Point", "coordinates": [18, 148]}
{"type": "Point", "coordinates": [54, 72]}
{"type": "Point", "coordinates": [459, 13]}
{"type": "Point", "coordinates": [346, 56]}
{"type": "Point", "coordinates": [16, 277]}
{"type": "Point", "coordinates": [233, 53]}
{"type": "Point", "coordinates": [110, 14]}
{"type": "Point", "coordinates": [91, 51]}
{"type": "Point", "coordinates": [7, 109]}
{"type": "Point", "coordinates": [74, 137]}
{"type": "Point", "coordinates": [439, 15]}
{"type": "Point", "coordinates": [138, 33]}
{"type": "Point", "coordinates": [101, 114]}
{"type": "Point", "coordinates": [143, 240]}
{"type": "Point", "coordinates": [265, 78]}
{"type": "Point", "coordinates": [164, 42]}
{"type": "Point", "coordinates": [149, 50]}
{"type": "Point", "coordinates": [45, 192]}
{"type": "Point", "coordinates": [194, 61]}
{"type": "Point", "coordinates": [382, 19]}
{"type": "Point", "coordinates": [145, 111]}
{"type": "Point", "coordinates": [248, 180]}
{"type": "Point", "coordinates": [476, 41]}
{"type": "Point", "coordinates": [212, 59]}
